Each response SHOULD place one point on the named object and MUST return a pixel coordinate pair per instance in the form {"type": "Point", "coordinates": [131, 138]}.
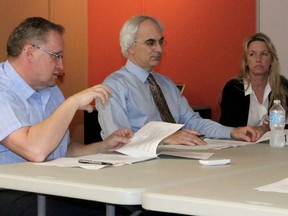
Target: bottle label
{"type": "Point", "coordinates": [277, 118]}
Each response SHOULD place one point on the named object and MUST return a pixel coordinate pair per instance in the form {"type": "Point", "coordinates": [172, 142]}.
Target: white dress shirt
{"type": "Point", "coordinates": [257, 111]}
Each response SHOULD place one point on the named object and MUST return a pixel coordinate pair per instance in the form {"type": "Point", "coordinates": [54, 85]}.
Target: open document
{"type": "Point", "coordinates": [146, 140]}
{"type": "Point", "coordinates": [142, 147]}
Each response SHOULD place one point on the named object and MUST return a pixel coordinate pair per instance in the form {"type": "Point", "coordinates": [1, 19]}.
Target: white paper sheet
{"type": "Point", "coordinates": [280, 187]}
{"type": "Point", "coordinates": [70, 162]}
{"type": "Point", "coordinates": [145, 141]}
{"type": "Point", "coordinates": [188, 154]}
{"type": "Point", "coordinates": [213, 144]}
{"type": "Point", "coordinates": [115, 159]}
{"type": "Point", "coordinates": [266, 137]}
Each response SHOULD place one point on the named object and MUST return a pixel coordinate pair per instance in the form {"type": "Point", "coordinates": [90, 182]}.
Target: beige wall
{"type": "Point", "coordinates": [72, 14]}
{"type": "Point", "coordinates": [12, 12]}
{"type": "Point", "coordinates": [273, 19]}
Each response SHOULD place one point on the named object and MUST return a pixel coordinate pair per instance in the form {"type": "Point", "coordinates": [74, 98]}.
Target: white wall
{"type": "Point", "coordinates": [273, 21]}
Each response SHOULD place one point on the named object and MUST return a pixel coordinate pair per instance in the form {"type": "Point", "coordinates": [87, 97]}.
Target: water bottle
{"type": "Point", "coordinates": [277, 124]}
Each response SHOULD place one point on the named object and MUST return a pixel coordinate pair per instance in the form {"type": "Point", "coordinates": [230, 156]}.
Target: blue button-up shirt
{"type": "Point", "coordinates": [21, 106]}
{"type": "Point", "coordinates": [131, 104]}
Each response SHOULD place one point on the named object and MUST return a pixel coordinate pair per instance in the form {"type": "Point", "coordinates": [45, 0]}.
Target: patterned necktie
{"type": "Point", "coordinates": [159, 100]}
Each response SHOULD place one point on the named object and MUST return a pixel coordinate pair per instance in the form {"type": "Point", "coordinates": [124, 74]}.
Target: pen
{"type": "Point", "coordinates": [94, 162]}
{"type": "Point", "coordinates": [201, 135]}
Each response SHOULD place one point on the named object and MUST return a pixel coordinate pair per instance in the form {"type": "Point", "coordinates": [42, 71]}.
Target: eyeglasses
{"type": "Point", "coordinates": [152, 43]}
{"type": "Point", "coordinates": [56, 56]}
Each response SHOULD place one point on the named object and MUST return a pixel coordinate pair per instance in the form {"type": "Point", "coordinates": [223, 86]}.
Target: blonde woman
{"type": "Point", "coordinates": [246, 99]}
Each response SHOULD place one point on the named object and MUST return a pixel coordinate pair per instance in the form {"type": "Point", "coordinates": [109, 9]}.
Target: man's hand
{"type": "Point", "coordinates": [262, 129]}
{"type": "Point", "coordinates": [249, 134]}
{"type": "Point", "coordinates": [84, 98]}
{"type": "Point", "coordinates": [185, 137]}
{"type": "Point", "coordinates": [117, 139]}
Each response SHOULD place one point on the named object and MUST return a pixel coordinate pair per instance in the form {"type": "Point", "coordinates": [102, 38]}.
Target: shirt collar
{"type": "Point", "coordinates": [139, 72]}
{"type": "Point", "coordinates": [249, 90]}
{"type": "Point", "coordinates": [24, 89]}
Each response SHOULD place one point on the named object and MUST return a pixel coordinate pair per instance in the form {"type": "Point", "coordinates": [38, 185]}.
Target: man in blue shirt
{"type": "Point", "coordinates": [35, 117]}
{"type": "Point", "coordinates": [131, 104]}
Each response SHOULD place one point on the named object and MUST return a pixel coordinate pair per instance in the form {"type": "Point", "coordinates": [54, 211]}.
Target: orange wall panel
{"type": "Point", "coordinates": [204, 41]}
{"type": "Point", "coordinates": [105, 19]}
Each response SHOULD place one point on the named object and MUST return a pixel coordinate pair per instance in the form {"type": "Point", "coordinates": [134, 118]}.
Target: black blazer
{"type": "Point", "coordinates": [235, 105]}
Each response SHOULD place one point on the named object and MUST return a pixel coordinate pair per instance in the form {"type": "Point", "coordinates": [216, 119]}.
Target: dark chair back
{"type": "Point", "coordinates": [92, 127]}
